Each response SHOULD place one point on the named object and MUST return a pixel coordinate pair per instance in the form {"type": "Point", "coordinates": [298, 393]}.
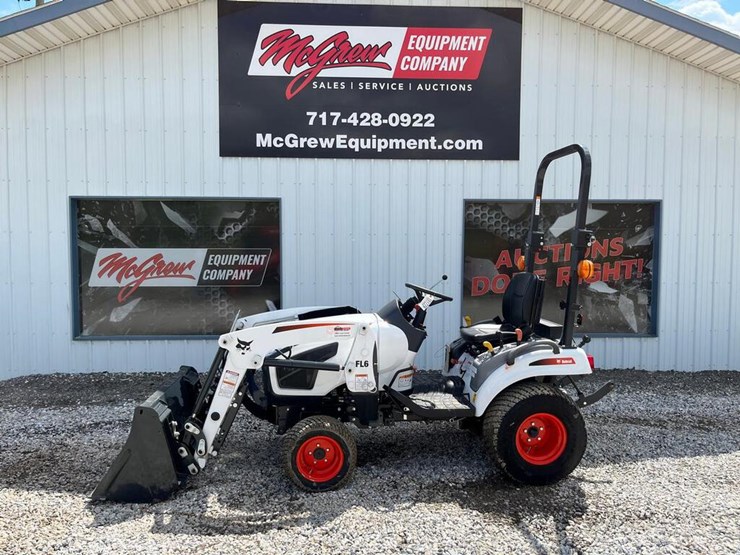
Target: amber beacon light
{"type": "Point", "coordinates": [585, 269]}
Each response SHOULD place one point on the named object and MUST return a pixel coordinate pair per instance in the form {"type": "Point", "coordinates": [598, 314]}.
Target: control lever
{"type": "Point", "coordinates": [584, 340]}
{"type": "Point", "coordinates": [444, 278]}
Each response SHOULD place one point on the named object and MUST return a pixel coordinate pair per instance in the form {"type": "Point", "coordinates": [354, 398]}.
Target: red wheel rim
{"type": "Point", "coordinates": [541, 438]}
{"type": "Point", "coordinates": [319, 459]}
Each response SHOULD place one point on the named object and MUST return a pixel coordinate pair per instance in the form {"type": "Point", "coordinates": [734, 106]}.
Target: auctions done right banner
{"type": "Point", "coordinates": [354, 81]}
{"type": "Point", "coordinates": [620, 298]}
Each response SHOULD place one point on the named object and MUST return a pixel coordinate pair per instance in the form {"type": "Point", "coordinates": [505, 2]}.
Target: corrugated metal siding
{"type": "Point", "coordinates": [80, 25]}
{"type": "Point", "coordinates": [595, 13]}
{"type": "Point", "coordinates": [134, 111]}
{"type": "Point", "coordinates": [649, 33]}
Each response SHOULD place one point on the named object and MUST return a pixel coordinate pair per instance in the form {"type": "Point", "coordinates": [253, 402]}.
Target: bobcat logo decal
{"type": "Point", "coordinates": [244, 346]}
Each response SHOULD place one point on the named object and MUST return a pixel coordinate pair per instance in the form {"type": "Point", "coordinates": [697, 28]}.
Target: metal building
{"type": "Point", "coordinates": [120, 98]}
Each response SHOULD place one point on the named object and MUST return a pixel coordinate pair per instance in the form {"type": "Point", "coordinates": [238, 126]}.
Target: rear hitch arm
{"type": "Point", "coordinates": [586, 400]}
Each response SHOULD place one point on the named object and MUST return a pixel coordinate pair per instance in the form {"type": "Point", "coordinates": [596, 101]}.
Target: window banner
{"type": "Point", "coordinates": [174, 267]}
{"type": "Point", "coordinates": [355, 81]}
{"type": "Point", "coordinates": [619, 298]}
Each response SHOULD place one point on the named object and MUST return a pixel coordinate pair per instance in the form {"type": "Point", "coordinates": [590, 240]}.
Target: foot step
{"type": "Point", "coordinates": [438, 400]}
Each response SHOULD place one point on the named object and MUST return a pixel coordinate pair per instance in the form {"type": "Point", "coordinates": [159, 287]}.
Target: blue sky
{"type": "Point", "coordinates": [724, 14]}
{"type": "Point", "coordinates": [8, 7]}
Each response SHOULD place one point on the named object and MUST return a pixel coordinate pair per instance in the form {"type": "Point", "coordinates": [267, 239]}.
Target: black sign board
{"type": "Point", "coordinates": [354, 81]}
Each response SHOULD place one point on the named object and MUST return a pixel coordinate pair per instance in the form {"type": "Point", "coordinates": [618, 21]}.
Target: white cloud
{"type": "Point", "coordinates": [711, 12]}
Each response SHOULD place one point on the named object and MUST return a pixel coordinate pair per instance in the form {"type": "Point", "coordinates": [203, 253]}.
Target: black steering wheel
{"type": "Point", "coordinates": [419, 290]}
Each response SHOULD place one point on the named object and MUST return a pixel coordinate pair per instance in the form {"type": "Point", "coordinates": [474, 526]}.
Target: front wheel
{"type": "Point", "coordinates": [320, 454]}
{"type": "Point", "coordinates": [534, 433]}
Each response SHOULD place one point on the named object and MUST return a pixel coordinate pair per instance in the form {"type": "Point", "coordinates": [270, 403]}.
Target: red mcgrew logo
{"type": "Point", "coordinates": [130, 272]}
{"type": "Point", "coordinates": [306, 52]}
{"type": "Point", "coordinates": [129, 269]}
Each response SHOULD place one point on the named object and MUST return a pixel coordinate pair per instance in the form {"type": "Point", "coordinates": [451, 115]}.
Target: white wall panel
{"type": "Point", "coordinates": [134, 111]}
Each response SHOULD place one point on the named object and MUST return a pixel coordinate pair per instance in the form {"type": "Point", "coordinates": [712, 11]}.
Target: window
{"type": "Point", "coordinates": [172, 267]}
{"type": "Point", "coordinates": [621, 296]}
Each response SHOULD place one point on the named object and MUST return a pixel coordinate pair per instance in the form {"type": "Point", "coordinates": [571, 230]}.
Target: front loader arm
{"type": "Point", "coordinates": [248, 349]}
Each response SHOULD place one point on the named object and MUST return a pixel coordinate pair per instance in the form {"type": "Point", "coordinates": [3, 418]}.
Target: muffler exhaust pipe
{"type": "Point", "coordinates": [149, 466]}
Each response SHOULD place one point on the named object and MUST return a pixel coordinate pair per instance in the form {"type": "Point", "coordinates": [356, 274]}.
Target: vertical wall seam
{"type": "Point", "coordinates": [183, 115]}
{"type": "Point", "coordinates": [660, 327]}
{"type": "Point", "coordinates": [142, 132]}
{"type": "Point", "coordinates": [27, 189]}
{"type": "Point", "coordinates": [712, 355]}
{"type": "Point", "coordinates": [162, 188]}
{"type": "Point", "coordinates": [733, 291]}
{"type": "Point", "coordinates": [201, 105]}
{"type": "Point", "coordinates": [47, 321]}
{"type": "Point", "coordinates": [11, 290]}
{"type": "Point", "coordinates": [613, 40]}
{"type": "Point", "coordinates": [649, 75]}
{"type": "Point", "coordinates": [682, 186]}
{"type": "Point", "coordinates": [576, 73]}
{"type": "Point", "coordinates": [697, 213]}
{"type": "Point", "coordinates": [124, 115]}
{"type": "Point", "coordinates": [65, 231]}
{"type": "Point", "coordinates": [558, 86]}
{"type": "Point", "coordinates": [105, 107]}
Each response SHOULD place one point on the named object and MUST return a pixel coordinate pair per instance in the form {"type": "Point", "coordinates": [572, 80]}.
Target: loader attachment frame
{"type": "Point", "coordinates": [175, 431]}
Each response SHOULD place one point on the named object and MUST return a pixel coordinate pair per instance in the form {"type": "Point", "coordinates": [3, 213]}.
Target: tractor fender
{"type": "Point", "coordinates": [498, 375]}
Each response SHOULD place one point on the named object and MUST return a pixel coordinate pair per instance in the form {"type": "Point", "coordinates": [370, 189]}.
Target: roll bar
{"type": "Point", "coordinates": [580, 237]}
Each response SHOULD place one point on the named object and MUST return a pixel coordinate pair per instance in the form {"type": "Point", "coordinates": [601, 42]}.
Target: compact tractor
{"type": "Point", "coordinates": [314, 371]}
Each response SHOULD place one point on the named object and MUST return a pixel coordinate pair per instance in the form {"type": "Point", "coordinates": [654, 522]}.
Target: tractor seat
{"type": "Point", "coordinates": [488, 330]}
{"type": "Point", "coordinates": [521, 307]}
{"type": "Point", "coordinates": [481, 331]}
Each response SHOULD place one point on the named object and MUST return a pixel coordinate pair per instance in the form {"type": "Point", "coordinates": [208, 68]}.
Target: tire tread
{"type": "Point", "coordinates": [501, 405]}
{"type": "Point", "coordinates": [319, 423]}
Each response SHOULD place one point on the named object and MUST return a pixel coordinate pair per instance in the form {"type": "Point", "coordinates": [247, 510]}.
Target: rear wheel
{"type": "Point", "coordinates": [534, 433]}
{"type": "Point", "coordinates": [320, 454]}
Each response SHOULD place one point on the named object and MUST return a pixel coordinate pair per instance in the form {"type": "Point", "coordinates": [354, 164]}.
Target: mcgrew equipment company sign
{"type": "Point", "coordinates": [129, 269]}
{"type": "Point", "coordinates": [369, 81]}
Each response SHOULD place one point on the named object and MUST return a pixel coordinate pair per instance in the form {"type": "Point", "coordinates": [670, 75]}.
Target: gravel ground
{"type": "Point", "coordinates": [660, 475]}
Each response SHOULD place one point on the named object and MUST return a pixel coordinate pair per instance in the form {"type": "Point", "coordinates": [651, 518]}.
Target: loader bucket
{"type": "Point", "coordinates": [147, 468]}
